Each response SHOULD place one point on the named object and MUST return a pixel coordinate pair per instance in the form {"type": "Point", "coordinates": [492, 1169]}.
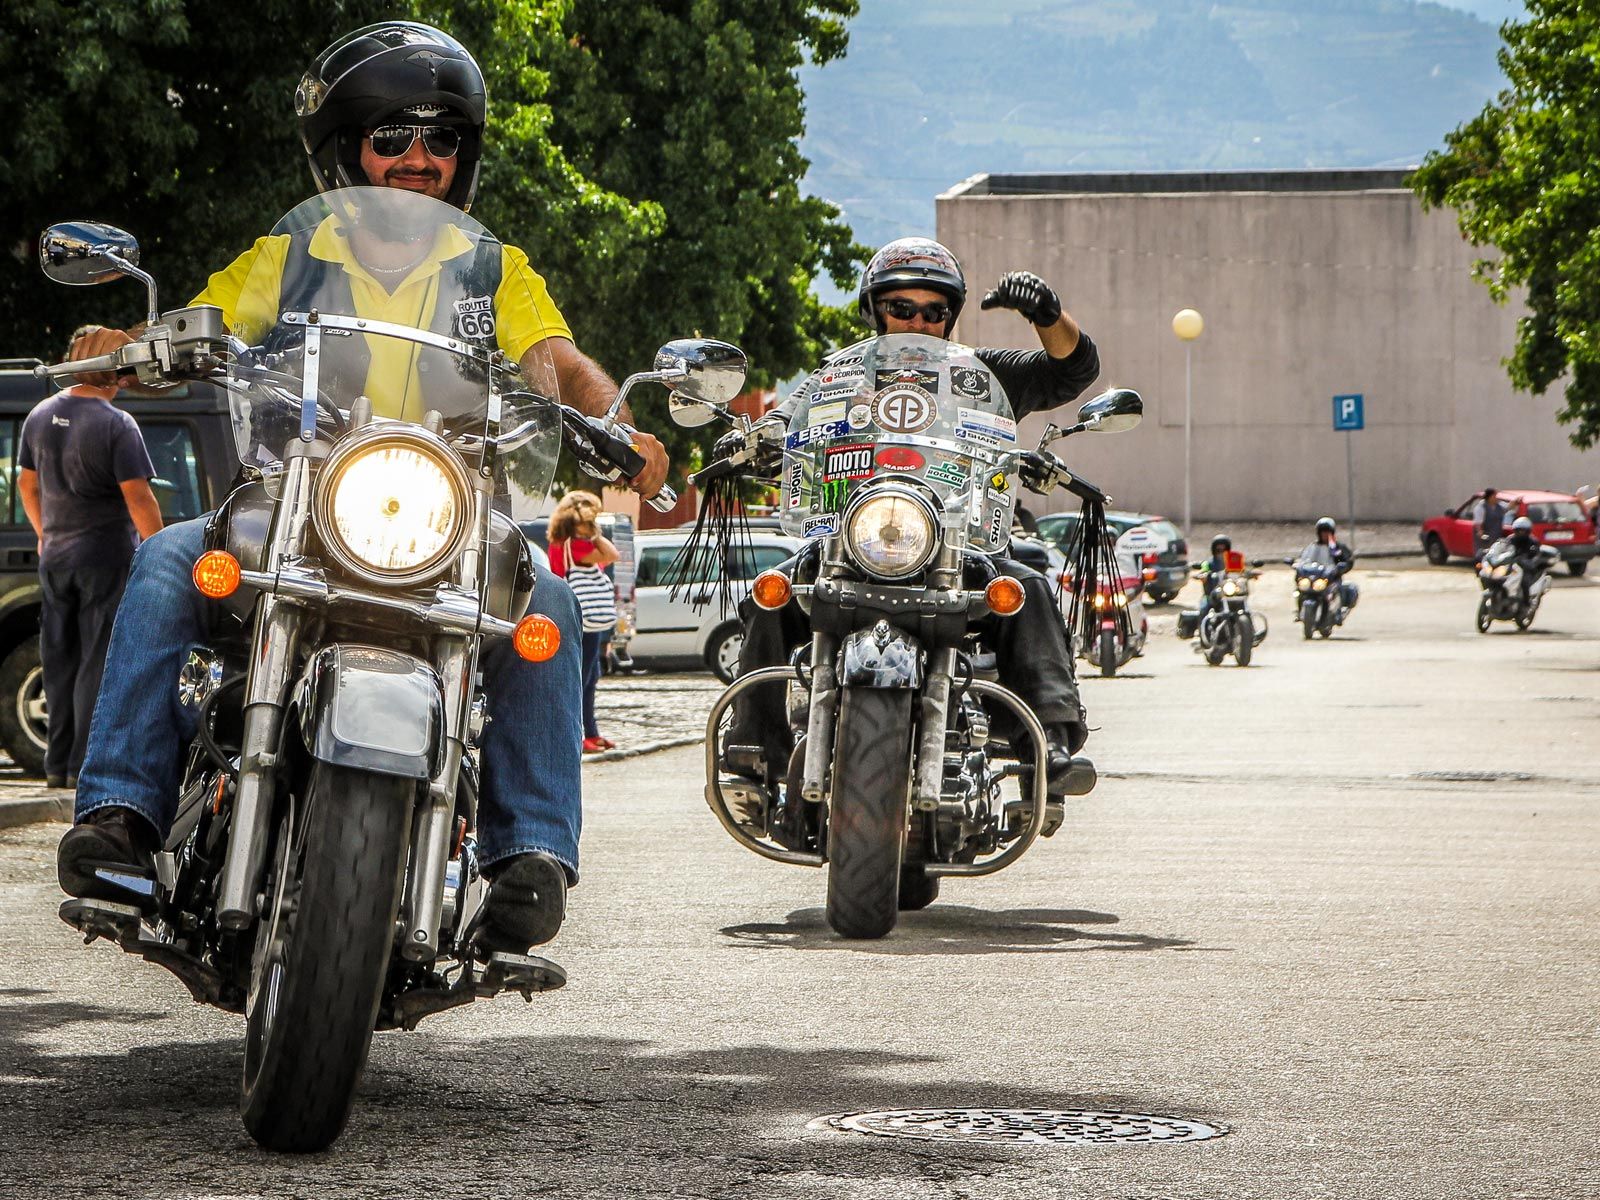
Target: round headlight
{"type": "Point", "coordinates": [1303, 583]}
{"type": "Point", "coordinates": [1320, 584]}
{"type": "Point", "coordinates": [393, 507]}
{"type": "Point", "coordinates": [891, 533]}
{"type": "Point", "coordinates": [1230, 588]}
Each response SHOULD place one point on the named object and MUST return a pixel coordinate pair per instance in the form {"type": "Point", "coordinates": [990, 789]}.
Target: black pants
{"type": "Point", "coordinates": [1031, 657]}
{"type": "Point", "coordinates": [74, 631]}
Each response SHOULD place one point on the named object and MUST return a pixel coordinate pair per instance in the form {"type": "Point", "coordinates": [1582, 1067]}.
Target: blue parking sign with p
{"type": "Point", "coordinates": [1347, 413]}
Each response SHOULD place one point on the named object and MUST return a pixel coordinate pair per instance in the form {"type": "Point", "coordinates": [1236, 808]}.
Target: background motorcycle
{"type": "Point", "coordinates": [1230, 625]}
{"type": "Point", "coordinates": [904, 491]}
{"type": "Point", "coordinates": [1318, 591]}
{"type": "Point", "coordinates": [1500, 575]}
{"type": "Point", "coordinates": [1121, 627]}
{"type": "Point", "coordinates": [321, 874]}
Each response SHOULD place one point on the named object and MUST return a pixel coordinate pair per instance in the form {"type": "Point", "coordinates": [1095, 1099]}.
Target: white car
{"type": "Point", "coordinates": [695, 626]}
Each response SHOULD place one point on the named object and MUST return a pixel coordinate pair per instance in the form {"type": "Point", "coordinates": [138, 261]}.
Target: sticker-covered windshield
{"type": "Point", "coordinates": [907, 406]}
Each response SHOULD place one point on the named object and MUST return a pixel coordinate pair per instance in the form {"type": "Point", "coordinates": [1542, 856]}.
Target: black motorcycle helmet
{"type": "Point", "coordinates": [1325, 525]}
{"type": "Point", "coordinates": [1221, 542]}
{"type": "Point", "coordinates": [912, 263]}
{"type": "Point", "coordinates": [396, 69]}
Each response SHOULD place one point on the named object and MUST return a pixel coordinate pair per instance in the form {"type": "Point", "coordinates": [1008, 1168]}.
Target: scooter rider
{"type": "Point", "coordinates": [398, 105]}
{"type": "Point", "coordinates": [1530, 554]}
{"type": "Point", "coordinates": [1344, 559]}
{"type": "Point", "coordinates": [915, 285]}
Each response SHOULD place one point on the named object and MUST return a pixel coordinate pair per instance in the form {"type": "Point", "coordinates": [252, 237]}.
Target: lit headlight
{"type": "Point", "coordinates": [1230, 588]}
{"type": "Point", "coordinates": [891, 533]}
{"type": "Point", "coordinates": [392, 507]}
{"type": "Point", "coordinates": [1303, 584]}
{"type": "Point", "coordinates": [1320, 585]}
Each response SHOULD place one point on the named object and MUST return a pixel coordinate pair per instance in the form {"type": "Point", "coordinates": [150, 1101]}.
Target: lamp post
{"type": "Point", "coordinates": [1188, 325]}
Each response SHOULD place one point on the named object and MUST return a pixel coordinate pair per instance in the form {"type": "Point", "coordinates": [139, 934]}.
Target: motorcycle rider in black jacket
{"type": "Point", "coordinates": [1530, 554]}
{"type": "Point", "coordinates": [1344, 559]}
{"type": "Point", "coordinates": [915, 285]}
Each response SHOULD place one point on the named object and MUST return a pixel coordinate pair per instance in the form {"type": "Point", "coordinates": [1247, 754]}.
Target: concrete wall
{"type": "Point", "coordinates": [1306, 294]}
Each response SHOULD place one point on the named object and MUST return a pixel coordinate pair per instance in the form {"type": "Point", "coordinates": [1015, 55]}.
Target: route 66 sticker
{"type": "Point", "coordinates": [475, 319]}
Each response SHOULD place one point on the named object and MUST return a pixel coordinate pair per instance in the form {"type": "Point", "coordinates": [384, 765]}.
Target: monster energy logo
{"type": "Point", "coordinates": [830, 495]}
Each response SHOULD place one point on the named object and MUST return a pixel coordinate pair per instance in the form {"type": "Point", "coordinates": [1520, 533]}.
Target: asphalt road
{"type": "Point", "coordinates": [1342, 903]}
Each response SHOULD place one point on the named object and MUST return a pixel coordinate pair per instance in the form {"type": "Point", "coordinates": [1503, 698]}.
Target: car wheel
{"type": "Point", "coordinates": [1433, 547]}
{"type": "Point", "coordinates": [722, 651]}
{"type": "Point", "coordinates": [1577, 568]}
{"type": "Point", "coordinates": [24, 726]}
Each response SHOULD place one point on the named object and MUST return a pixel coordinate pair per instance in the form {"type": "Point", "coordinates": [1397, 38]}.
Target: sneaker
{"type": "Point", "coordinates": [593, 745]}
{"type": "Point", "coordinates": [526, 904]}
{"type": "Point", "coordinates": [607, 744]}
{"type": "Point", "coordinates": [110, 839]}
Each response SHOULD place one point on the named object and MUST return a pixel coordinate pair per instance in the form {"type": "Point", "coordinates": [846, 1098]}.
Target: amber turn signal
{"type": "Point", "coordinates": [771, 590]}
{"type": "Point", "coordinates": [1003, 595]}
{"type": "Point", "coordinates": [216, 574]}
{"type": "Point", "coordinates": [537, 638]}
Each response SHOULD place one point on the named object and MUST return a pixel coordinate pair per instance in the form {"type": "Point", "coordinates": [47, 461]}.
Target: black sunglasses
{"type": "Point", "coordinates": [901, 309]}
{"type": "Point", "coordinates": [392, 141]}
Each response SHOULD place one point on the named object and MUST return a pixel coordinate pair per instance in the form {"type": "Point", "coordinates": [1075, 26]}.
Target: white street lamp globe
{"type": "Point", "coordinates": [1188, 325]}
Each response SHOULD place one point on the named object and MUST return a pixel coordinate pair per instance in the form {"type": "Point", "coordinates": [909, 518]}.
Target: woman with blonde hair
{"type": "Point", "coordinates": [579, 553]}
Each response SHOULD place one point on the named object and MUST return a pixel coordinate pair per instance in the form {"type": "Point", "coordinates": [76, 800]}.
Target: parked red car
{"type": "Point", "coordinates": [1559, 520]}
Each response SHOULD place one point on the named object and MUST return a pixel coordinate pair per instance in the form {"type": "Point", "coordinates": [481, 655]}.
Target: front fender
{"type": "Point", "coordinates": [372, 709]}
{"type": "Point", "coordinates": [880, 657]}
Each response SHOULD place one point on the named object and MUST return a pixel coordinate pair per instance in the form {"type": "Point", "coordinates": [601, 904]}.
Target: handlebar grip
{"type": "Point", "coordinates": [715, 470]}
{"type": "Point", "coordinates": [1085, 490]}
{"type": "Point", "coordinates": [663, 500]}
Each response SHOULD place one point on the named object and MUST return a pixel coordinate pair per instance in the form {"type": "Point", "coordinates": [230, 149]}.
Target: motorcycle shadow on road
{"type": "Point", "coordinates": [958, 929]}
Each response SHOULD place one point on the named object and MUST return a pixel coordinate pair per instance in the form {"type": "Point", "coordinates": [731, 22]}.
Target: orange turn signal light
{"type": "Point", "coordinates": [216, 574]}
{"type": "Point", "coordinates": [771, 590]}
{"type": "Point", "coordinates": [537, 638]}
{"type": "Point", "coordinates": [1004, 595]}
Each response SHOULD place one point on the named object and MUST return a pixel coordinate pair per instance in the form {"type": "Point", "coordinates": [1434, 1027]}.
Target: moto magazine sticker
{"type": "Point", "coordinates": [475, 319]}
{"type": "Point", "coordinates": [824, 526]}
{"type": "Point", "coordinates": [814, 433]}
{"type": "Point", "coordinates": [971, 383]}
{"type": "Point", "coordinates": [974, 424]}
{"type": "Point", "coordinates": [904, 409]}
{"type": "Point", "coordinates": [847, 462]}
{"type": "Point", "coordinates": [860, 416]}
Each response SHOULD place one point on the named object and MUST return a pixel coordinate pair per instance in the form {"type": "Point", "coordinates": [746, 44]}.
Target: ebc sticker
{"type": "Point", "coordinates": [824, 526]}
{"type": "Point", "coordinates": [977, 425]}
{"type": "Point", "coordinates": [927, 380]}
{"type": "Point", "coordinates": [847, 462]}
{"type": "Point", "coordinates": [948, 473]}
{"type": "Point", "coordinates": [971, 383]}
{"type": "Point", "coordinates": [900, 458]}
{"type": "Point", "coordinates": [904, 409]}
{"type": "Point", "coordinates": [815, 433]}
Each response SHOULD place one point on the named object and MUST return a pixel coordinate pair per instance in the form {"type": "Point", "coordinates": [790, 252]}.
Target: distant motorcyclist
{"type": "Point", "coordinates": [916, 285]}
{"type": "Point", "coordinates": [1530, 554]}
{"type": "Point", "coordinates": [1343, 557]}
{"type": "Point", "coordinates": [1210, 570]}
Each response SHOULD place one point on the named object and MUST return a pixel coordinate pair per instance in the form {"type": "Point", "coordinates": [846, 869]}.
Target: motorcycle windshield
{"type": "Point", "coordinates": [1316, 555]}
{"type": "Point", "coordinates": [387, 301]}
{"type": "Point", "coordinates": [908, 407]}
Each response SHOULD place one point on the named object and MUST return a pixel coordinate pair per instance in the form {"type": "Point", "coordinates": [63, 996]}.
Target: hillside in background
{"type": "Point", "coordinates": [933, 91]}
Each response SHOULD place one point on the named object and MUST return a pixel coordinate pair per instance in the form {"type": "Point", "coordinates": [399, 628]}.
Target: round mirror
{"type": "Point", "coordinates": [715, 369]}
{"type": "Point", "coordinates": [690, 413]}
{"type": "Point", "coordinates": [86, 252]}
{"type": "Point", "coordinates": [1116, 411]}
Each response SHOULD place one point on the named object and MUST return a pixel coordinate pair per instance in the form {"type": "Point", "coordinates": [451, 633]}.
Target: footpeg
{"type": "Point", "coordinates": [117, 923]}
{"type": "Point", "coordinates": [519, 973]}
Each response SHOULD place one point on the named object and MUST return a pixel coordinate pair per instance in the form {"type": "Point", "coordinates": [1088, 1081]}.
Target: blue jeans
{"type": "Point", "coordinates": [594, 648]}
{"type": "Point", "coordinates": [531, 752]}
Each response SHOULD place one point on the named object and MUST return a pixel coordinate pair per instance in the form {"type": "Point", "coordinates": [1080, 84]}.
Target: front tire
{"type": "Point", "coordinates": [1244, 639]}
{"type": "Point", "coordinates": [1434, 549]}
{"type": "Point", "coordinates": [868, 810]}
{"type": "Point", "coordinates": [1485, 613]}
{"type": "Point", "coordinates": [24, 725]}
{"type": "Point", "coordinates": [1108, 653]}
{"type": "Point", "coordinates": [1308, 618]}
{"type": "Point", "coordinates": [316, 985]}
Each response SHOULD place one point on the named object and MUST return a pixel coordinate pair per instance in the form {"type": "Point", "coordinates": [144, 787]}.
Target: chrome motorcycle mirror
{"type": "Point", "coordinates": [1115, 411]}
{"type": "Point", "coordinates": [702, 369]}
{"type": "Point", "coordinates": [691, 413]}
{"type": "Point", "coordinates": [84, 253]}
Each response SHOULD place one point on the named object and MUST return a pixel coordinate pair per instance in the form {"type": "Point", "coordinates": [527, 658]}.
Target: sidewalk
{"type": "Point", "coordinates": [1279, 539]}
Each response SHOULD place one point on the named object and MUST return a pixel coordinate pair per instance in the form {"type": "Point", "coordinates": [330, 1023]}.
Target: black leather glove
{"type": "Point", "coordinates": [1038, 470]}
{"type": "Point", "coordinates": [727, 445]}
{"type": "Point", "coordinates": [1026, 293]}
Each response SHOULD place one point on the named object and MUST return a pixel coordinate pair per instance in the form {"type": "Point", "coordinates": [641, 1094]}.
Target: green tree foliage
{"type": "Point", "coordinates": [1522, 178]}
{"type": "Point", "coordinates": [695, 104]}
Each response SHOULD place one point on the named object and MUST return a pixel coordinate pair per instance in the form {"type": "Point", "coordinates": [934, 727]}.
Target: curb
{"type": "Point", "coordinates": [42, 805]}
{"type": "Point", "coordinates": [648, 748]}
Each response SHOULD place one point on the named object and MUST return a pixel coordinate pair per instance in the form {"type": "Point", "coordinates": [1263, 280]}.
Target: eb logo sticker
{"type": "Point", "coordinates": [475, 319]}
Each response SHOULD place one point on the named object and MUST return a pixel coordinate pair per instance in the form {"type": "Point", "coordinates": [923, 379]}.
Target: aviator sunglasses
{"type": "Point", "coordinates": [392, 141]}
{"type": "Point", "coordinates": [937, 311]}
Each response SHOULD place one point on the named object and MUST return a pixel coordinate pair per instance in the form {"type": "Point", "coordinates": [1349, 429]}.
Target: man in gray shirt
{"type": "Point", "coordinates": [85, 483]}
{"type": "Point", "coordinates": [1488, 521]}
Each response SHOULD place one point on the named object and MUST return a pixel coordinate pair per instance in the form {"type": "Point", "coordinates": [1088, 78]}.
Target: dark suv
{"type": "Point", "coordinates": [191, 447]}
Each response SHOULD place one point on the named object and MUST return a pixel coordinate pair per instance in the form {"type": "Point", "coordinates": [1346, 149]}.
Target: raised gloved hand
{"type": "Point", "coordinates": [1026, 293]}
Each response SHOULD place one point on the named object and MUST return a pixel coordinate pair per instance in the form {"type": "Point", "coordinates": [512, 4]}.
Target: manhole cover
{"type": "Point", "coordinates": [1022, 1126]}
{"type": "Point", "coordinates": [1474, 776]}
